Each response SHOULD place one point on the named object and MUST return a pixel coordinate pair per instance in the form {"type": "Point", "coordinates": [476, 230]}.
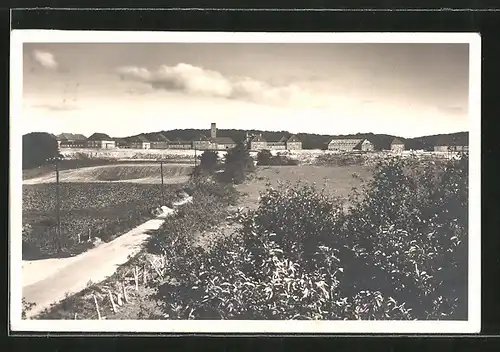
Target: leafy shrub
{"type": "Point", "coordinates": [265, 157]}
{"type": "Point", "coordinates": [340, 159]}
{"type": "Point", "coordinates": [26, 307]}
{"type": "Point", "coordinates": [208, 209]}
{"type": "Point", "coordinates": [399, 253]}
{"type": "Point", "coordinates": [410, 230]}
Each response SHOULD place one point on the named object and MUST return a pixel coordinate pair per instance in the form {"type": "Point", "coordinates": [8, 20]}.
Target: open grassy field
{"type": "Point", "coordinates": [337, 181]}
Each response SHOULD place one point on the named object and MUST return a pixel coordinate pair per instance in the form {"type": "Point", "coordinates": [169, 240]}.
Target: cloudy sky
{"type": "Point", "coordinates": [124, 89]}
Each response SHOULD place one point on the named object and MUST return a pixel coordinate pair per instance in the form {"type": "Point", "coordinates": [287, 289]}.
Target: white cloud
{"type": "Point", "coordinates": [193, 80]}
{"type": "Point", "coordinates": [45, 59]}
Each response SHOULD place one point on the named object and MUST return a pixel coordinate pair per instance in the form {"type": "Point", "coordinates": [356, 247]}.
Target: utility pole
{"type": "Point", "coordinates": [162, 188]}
{"type": "Point", "coordinates": [194, 157]}
{"type": "Point", "coordinates": [58, 207]}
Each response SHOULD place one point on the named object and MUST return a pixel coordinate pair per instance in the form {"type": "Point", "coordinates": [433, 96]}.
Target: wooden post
{"type": "Point", "coordinates": [119, 299]}
{"type": "Point", "coordinates": [136, 278]}
{"type": "Point", "coordinates": [90, 235]}
{"type": "Point", "coordinates": [162, 187]}
{"type": "Point", "coordinates": [58, 206]}
{"type": "Point", "coordinates": [145, 275]}
{"type": "Point", "coordinates": [195, 162]}
{"type": "Point", "coordinates": [97, 307]}
{"type": "Point", "coordinates": [156, 269]}
{"type": "Point", "coordinates": [124, 291]}
{"type": "Point", "coordinates": [112, 301]}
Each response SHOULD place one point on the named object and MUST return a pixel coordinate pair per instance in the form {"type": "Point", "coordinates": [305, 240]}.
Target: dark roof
{"type": "Point", "coordinates": [293, 138]}
{"type": "Point", "coordinates": [99, 137]}
{"type": "Point", "coordinates": [70, 137]}
{"type": "Point", "coordinates": [202, 137]}
{"type": "Point", "coordinates": [397, 141]}
{"type": "Point", "coordinates": [258, 138]}
{"type": "Point", "coordinates": [223, 140]}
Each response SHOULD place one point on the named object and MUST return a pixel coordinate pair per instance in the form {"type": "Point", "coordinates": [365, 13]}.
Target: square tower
{"type": "Point", "coordinates": [213, 130]}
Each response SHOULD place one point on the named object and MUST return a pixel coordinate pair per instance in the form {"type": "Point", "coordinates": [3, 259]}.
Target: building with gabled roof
{"type": "Point", "coordinates": [139, 142]}
{"type": "Point", "coordinates": [397, 145]}
{"type": "Point", "coordinates": [348, 144]}
{"type": "Point", "coordinates": [204, 142]}
{"type": "Point", "coordinates": [70, 140]}
{"type": "Point", "coordinates": [101, 140]}
{"type": "Point", "coordinates": [223, 142]}
{"type": "Point", "coordinates": [159, 141]}
{"type": "Point", "coordinates": [258, 143]}
{"type": "Point", "coordinates": [293, 143]}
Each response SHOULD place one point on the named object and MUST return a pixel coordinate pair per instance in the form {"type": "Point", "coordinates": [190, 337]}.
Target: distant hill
{"type": "Point", "coordinates": [320, 141]}
{"type": "Point", "coordinates": [428, 142]}
{"type": "Point", "coordinates": [315, 141]}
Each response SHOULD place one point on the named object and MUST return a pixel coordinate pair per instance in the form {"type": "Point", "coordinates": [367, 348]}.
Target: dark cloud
{"type": "Point", "coordinates": [193, 80]}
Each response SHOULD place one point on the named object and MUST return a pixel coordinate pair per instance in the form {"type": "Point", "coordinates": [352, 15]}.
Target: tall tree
{"type": "Point", "coordinates": [37, 148]}
{"type": "Point", "coordinates": [238, 163]}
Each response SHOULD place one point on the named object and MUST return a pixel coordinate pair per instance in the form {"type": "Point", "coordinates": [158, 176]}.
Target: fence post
{"type": "Point", "coordinates": [124, 291]}
{"type": "Point", "coordinates": [97, 307]}
{"type": "Point", "coordinates": [112, 301]}
{"type": "Point", "coordinates": [136, 278]}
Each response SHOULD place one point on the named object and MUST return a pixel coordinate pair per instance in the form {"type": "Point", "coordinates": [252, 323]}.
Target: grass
{"type": "Point", "coordinates": [338, 181]}
{"type": "Point", "coordinates": [106, 209]}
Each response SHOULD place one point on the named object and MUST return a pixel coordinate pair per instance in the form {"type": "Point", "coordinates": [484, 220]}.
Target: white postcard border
{"type": "Point", "coordinates": [18, 37]}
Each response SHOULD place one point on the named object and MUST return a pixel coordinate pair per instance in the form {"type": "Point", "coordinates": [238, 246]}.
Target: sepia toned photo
{"type": "Point", "coordinates": [239, 182]}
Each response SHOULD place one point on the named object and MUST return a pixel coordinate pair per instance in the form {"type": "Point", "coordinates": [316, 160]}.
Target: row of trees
{"type": "Point", "coordinates": [236, 165]}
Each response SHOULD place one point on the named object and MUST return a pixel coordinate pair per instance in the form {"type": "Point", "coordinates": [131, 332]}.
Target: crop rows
{"type": "Point", "coordinates": [95, 209]}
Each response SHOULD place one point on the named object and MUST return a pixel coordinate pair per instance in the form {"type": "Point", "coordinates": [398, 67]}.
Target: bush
{"type": "Point", "coordinates": [399, 253]}
{"type": "Point", "coordinates": [208, 209]}
{"type": "Point", "coordinates": [410, 230]}
{"type": "Point", "coordinates": [340, 159]}
{"type": "Point", "coordinates": [265, 158]}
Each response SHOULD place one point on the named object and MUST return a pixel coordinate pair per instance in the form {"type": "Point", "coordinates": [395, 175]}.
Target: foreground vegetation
{"type": "Point", "coordinates": [398, 253]}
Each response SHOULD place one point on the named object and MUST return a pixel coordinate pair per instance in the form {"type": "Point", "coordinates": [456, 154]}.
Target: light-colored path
{"type": "Point", "coordinates": [48, 281]}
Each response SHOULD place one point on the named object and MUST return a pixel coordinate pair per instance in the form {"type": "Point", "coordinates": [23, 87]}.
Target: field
{"type": "Point", "coordinates": [88, 210]}
{"type": "Point", "coordinates": [123, 172]}
{"type": "Point", "coordinates": [337, 181]}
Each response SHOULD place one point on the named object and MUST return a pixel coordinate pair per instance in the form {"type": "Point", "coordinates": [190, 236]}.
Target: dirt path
{"type": "Point", "coordinates": [48, 281]}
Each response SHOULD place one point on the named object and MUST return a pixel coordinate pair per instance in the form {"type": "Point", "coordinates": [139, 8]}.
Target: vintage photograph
{"type": "Point", "coordinates": [233, 179]}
